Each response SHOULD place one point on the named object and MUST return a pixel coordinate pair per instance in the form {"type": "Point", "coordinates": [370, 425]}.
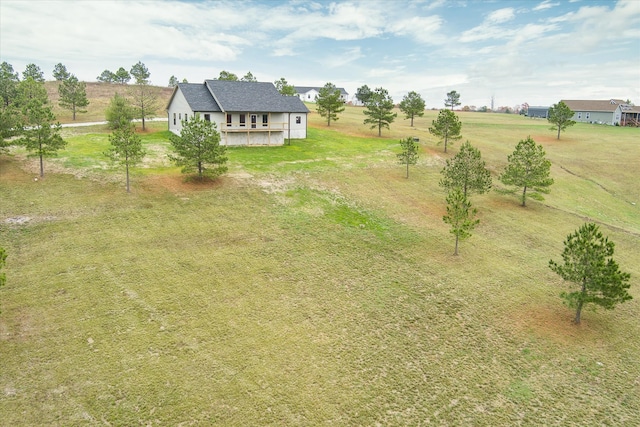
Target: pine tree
{"type": "Point", "coordinates": [60, 72]}
{"type": "Point", "coordinates": [528, 169]}
{"type": "Point", "coordinates": [446, 128]}
{"type": "Point", "coordinates": [460, 215]}
{"type": "Point", "coordinates": [588, 264]}
{"type": "Point", "coordinates": [412, 105]}
{"type": "Point", "coordinates": [409, 155]}
{"type": "Point", "coordinates": [126, 148]}
{"type": "Point", "coordinates": [453, 99]}
{"type": "Point", "coordinates": [198, 147]}
{"type": "Point", "coordinates": [560, 116]}
{"type": "Point", "coordinates": [73, 95]}
{"type": "Point", "coordinates": [144, 96]}
{"type": "Point", "coordinates": [379, 107]}
{"type": "Point", "coordinates": [466, 171]}
{"type": "Point", "coordinates": [329, 102]}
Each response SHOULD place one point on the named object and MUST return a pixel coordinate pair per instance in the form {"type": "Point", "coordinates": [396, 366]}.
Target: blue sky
{"type": "Point", "coordinates": [517, 51]}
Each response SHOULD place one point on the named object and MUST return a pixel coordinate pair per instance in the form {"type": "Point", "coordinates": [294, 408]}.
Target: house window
{"type": "Point", "coordinates": [186, 117]}
{"type": "Point", "coordinates": [254, 120]}
{"type": "Point", "coordinates": [298, 120]}
{"type": "Point", "coordinates": [243, 120]}
{"type": "Point", "coordinates": [587, 115]}
{"type": "Point", "coordinates": [228, 120]}
{"type": "Point", "coordinates": [579, 115]}
{"type": "Point", "coordinates": [174, 119]}
{"type": "Point", "coordinates": [265, 120]}
{"type": "Point", "coordinates": [180, 116]}
{"type": "Point", "coordinates": [207, 117]}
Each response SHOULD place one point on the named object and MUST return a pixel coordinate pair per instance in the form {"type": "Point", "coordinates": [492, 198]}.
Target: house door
{"type": "Point", "coordinates": [254, 120]}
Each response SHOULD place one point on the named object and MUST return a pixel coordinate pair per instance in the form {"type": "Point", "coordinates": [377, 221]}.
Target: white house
{"type": "Point", "coordinates": [246, 113]}
{"type": "Point", "coordinates": [309, 93]}
{"type": "Point", "coordinates": [610, 111]}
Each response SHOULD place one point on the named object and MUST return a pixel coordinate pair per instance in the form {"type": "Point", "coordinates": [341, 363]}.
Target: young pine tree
{"type": "Point", "coordinates": [73, 95]}
{"type": "Point", "coordinates": [409, 155]}
{"type": "Point", "coordinates": [460, 215]}
{"type": "Point", "coordinates": [198, 149]}
{"type": "Point", "coordinates": [446, 127]}
{"type": "Point", "coordinates": [126, 148]}
{"type": "Point", "coordinates": [379, 107]}
{"type": "Point", "coordinates": [329, 103]}
{"type": "Point", "coordinates": [527, 168]}
{"type": "Point", "coordinates": [466, 171]}
{"type": "Point", "coordinates": [588, 264]}
{"type": "Point", "coordinates": [560, 117]}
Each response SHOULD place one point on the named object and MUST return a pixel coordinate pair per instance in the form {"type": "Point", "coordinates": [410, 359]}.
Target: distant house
{"type": "Point", "coordinates": [246, 113]}
{"type": "Point", "coordinates": [611, 112]}
{"type": "Point", "coordinates": [308, 93]}
{"type": "Point", "coordinates": [541, 112]}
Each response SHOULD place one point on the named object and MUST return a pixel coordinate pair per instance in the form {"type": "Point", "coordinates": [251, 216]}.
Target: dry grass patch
{"type": "Point", "coordinates": [99, 96]}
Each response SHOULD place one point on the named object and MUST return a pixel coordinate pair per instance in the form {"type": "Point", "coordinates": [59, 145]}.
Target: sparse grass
{"type": "Point", "coordinates": [99, 96]}
{"type": "Point", "coordinates": [314, 285]}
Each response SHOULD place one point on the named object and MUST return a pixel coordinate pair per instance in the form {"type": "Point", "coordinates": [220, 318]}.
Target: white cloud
{"type": "Point", "coordinates": [490, 28]}
{"type": "Point", "coordinates": [424, 29]}
{"type": "Point", "coordinates": [546, 4]}
{"type": "Point", "coordinates": [501, 15]}
{"type": "Point", "coordinates": [338, 60]}
{"type": "Point", "coordinates": [596, 29]}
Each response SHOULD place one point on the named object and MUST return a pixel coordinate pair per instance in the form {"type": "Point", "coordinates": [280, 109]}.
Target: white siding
{"type": "Point", "coordinates": [275, 133]}
{"type": "Point", "coordinates": [179, 106]}
{"type": "Point", "coordinates": [309, 96]}
{"type": "Point", "coordinates": [298, 130]}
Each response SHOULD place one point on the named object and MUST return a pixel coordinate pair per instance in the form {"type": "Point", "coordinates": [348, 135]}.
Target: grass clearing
{"type": "Point", "coordinates": [314, 285]}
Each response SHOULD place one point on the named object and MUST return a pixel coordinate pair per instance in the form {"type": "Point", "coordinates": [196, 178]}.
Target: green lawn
{"type": "Point", "coordinates": [314, 285]}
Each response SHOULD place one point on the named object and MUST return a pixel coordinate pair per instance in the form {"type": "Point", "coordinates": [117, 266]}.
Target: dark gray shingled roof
{"type": "Point", "coordinates": [198, 97]}
{"type": "Point", "coordinates": [238, 96]}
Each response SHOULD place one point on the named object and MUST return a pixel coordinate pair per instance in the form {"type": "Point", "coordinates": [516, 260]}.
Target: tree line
{"type": "Point", "coordinates": [282, 85]}
{"type": "Point", "coordinates": [26, 113]}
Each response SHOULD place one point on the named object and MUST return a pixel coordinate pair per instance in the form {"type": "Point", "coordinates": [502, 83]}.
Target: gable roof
{"type": "Point", "coordinates": [608, 105]}
{"type": "Point", "coordinates": [252, 96]}
{"type": "Point", "coordinates": [198, 97]}
{"type": "Point", "coordinates": [237, 96]}
{"type": "Point", "coordinates": [305, 89]}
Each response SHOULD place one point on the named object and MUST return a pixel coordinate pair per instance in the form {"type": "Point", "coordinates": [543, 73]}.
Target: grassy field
{"type": "Point", "coordinates": [313, 285]}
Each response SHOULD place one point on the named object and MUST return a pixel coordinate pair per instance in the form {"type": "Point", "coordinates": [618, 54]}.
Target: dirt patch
{"type": "Point", "coordinates": [549, 139]}
{"type": "Point", "coordinates": [178, 184]}
{"type": "Point", "coordinates": [10, 172]}
{"type": "Point", "coordinates": [555, 323]}
{"type": "Point", "coordinates": [273, 185]}
{"type": "Point", "coordinates": [18, 220]}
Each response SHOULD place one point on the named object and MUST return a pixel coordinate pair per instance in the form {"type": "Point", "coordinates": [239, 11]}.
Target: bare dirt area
{"type": "Point", "coordinates": [555, 323]}
{"type": "Point", "coordinates": [10, 172]}
{"type": "Point", "coordinates": [180, 184]}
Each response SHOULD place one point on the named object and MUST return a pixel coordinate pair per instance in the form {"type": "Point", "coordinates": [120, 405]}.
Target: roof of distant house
{"type": "Point", "coordinates": [305, 89]}
{"type": "Point", "coordinates": [608, 105]}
